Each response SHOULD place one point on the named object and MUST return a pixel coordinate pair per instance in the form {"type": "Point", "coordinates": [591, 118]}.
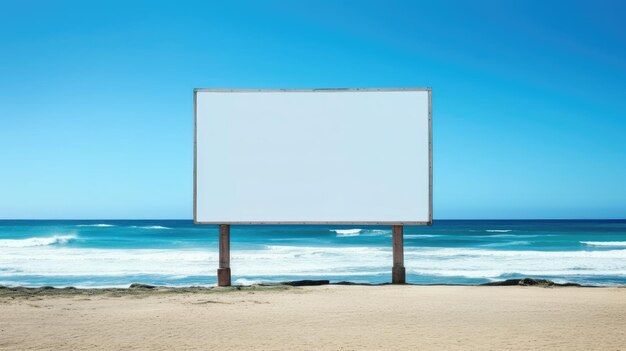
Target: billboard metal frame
{"type": "Point", "coordinates": [323, 90]}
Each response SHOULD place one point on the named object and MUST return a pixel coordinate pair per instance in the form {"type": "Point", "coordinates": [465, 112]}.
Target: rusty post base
{"type": "Point", "coordinates": [223, 277]}
{"type": "Point", "coordinates": [398, 275]}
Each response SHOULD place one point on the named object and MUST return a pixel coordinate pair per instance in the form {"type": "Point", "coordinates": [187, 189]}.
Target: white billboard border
{"type": "Point", "coordinates": [320, 90]}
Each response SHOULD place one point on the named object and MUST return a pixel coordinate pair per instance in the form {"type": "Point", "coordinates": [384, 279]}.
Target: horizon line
{"type": "Point", "coordinates": [191, 219]}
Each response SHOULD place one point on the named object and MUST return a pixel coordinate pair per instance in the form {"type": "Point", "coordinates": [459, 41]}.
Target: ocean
{"type": "Point", "coordinates": [114, 253]}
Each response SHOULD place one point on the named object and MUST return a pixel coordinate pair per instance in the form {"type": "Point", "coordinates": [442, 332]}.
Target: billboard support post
{"type": "Point", "coordinates": [398, 272]}
{"type": "Point", "coordinates": [223, 272]}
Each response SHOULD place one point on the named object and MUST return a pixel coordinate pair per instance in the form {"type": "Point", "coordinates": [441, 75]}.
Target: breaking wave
{"type": "Point", "coordinates": [275, 261]}
{"type": "Point", "coordinates": [347, 232]}
{"type": "Point", "coordinates": [37, 241]}
{"type": "Point", "coordinates": [361, 232]}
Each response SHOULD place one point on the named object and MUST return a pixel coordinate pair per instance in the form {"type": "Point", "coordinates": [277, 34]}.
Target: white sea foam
{"type": "Point", "coordinates": [605, 243]}
{"type": "Point", "coordinates": [363, 232]}
{"type": "Point", "coordinates": [36, 241]}
{"type": "Point", "coordinates": [483, 263]}
{"type": "Point", "coordinates": [499, 230]}
{"type": "Point", "coordinates": [517, 235]}
{"type": "Point", "coordinates": [347, 232]}
{"type": "Point", "coordinates": [155, 227]}
{"type": "Point", "coordinates": [245, 281]}
{"type": "Point", "coordinates": [274, 261]}
{"type": "Point", "coordinates": [99, 225]}
{"type": "Point", "coordinates": [377, 232]}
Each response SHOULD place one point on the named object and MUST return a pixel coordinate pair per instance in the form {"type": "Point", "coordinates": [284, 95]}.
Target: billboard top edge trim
{"type": "Point", "coordinates": [317, 90]}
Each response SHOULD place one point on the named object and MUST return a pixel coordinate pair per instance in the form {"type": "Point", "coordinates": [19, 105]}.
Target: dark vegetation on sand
{"type": "Point", "coordinates": [139, 290]}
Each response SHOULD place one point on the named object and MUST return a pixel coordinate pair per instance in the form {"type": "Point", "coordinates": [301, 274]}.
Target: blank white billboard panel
{"type": "Point", "coordinates": [316, 156]}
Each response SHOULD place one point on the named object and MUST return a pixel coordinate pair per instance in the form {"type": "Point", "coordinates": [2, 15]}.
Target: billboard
{"type": "Point", "coordinates": [322, 156]}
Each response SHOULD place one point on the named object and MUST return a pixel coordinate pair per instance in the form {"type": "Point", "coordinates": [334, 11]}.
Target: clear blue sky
{"type": "Point", "coordinates": [529, 97]}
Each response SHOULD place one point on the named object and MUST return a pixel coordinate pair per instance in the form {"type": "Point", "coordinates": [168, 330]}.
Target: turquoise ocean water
{"type": "Point", "coordinates": [116, 253]}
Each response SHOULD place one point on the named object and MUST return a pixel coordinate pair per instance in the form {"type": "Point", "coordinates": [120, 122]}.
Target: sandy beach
{"type": "Point", "coordinates": [309, 318]}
